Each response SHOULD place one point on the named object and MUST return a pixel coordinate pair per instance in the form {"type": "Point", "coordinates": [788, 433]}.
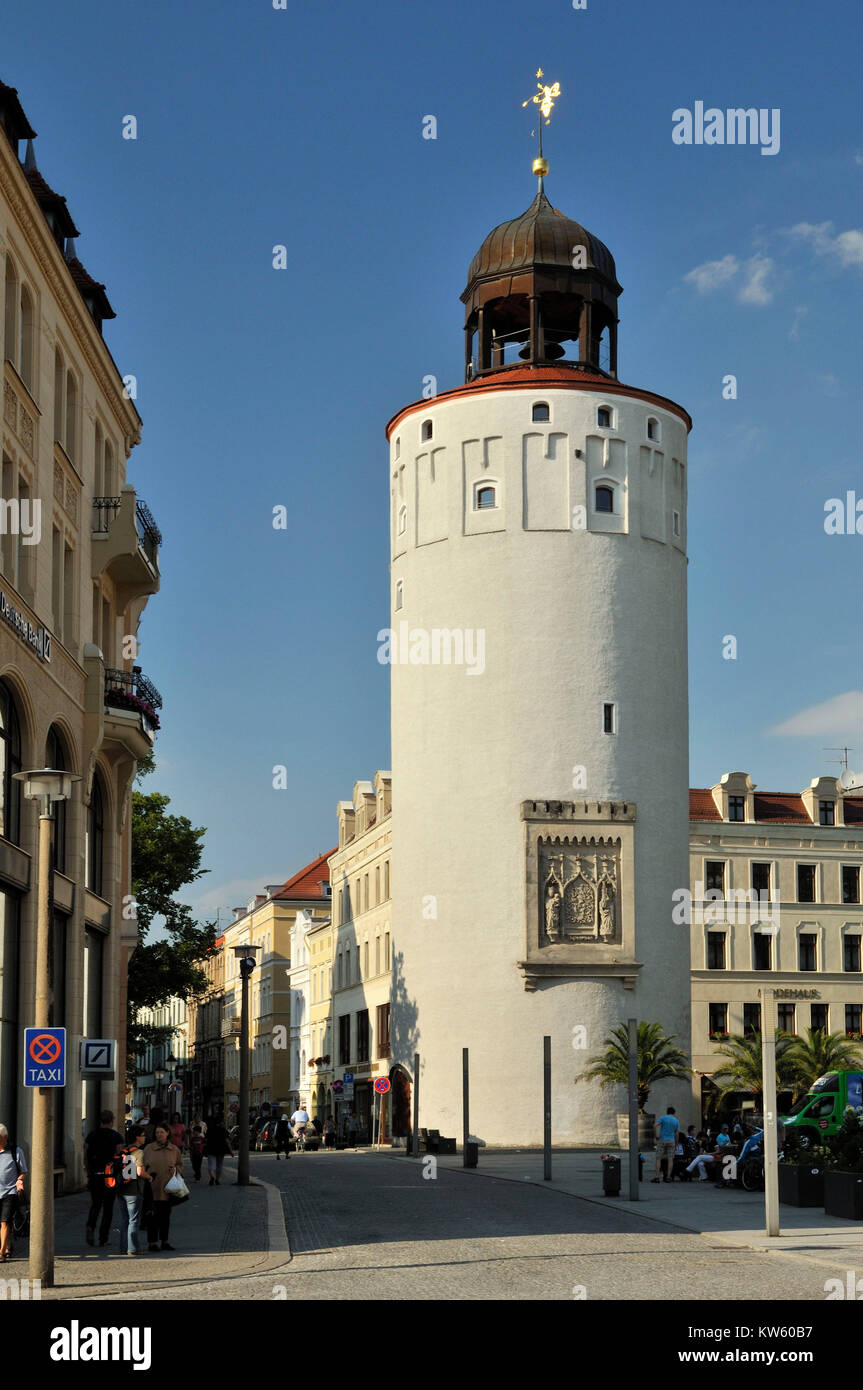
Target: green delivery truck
{"type": "Point", "coordinates": [822, 1109]}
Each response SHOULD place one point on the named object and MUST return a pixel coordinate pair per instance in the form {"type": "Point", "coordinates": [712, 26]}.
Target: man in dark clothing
{"type": "Point", "coordinates": [283, 1137]}
{"type": "Point", "coordinates": [100, 1148]}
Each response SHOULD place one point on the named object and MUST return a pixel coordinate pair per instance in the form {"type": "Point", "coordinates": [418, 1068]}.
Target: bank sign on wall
{"type": "Point", "coordinates": [36, 637]}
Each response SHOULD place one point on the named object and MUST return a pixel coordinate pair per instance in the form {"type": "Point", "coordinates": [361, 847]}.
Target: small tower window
{"type": "Point", "coordinates": [609, 719]}
{"type": "Point", "coordinates": [603, 417]}
{"type": "Point", "coordinates": [427, 430]}
{"type": "Point", "coordinates": [398, 448]}
{"type": "Point", "coordinates": [604, 498]}
{"type": "Point", "coordinates": [653, 429]}
{"type": "Point", "coordinates": [400, 594]}
{"type": "Point", "coordinates": [403, 520]}
{"type": "Point", "coordinates": [675, 523]}
{"type": "Point", "coordinates": [541, 413]}
{"type": "Point", "coordinates": [485, 498]}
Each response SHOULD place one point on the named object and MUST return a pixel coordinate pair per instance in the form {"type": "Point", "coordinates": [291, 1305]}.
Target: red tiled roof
{"type": "Point", "coordinates": [87, 285]}
{"type": "Point", "coordinates": [515, 378]}
{"type": "Point", "coordinates": [701, 804]}
{"type": "Point", "coordinates": [49, 201]}
{"type": "Point", "coordinates": [307, 883]}
{"type": "Point", "coordinates": [779, 808]}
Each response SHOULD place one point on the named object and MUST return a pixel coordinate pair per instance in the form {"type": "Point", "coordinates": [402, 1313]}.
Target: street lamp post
{"type": "Point", "coordinates": [158, 1077]}
{"type": "Point", "coordinates": [45, 786]}
{"type": "Point", "coordinates": [246, 960]}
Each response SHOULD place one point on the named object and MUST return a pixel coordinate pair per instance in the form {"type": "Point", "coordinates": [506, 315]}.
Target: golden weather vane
{"type": "Point", "coordinates": [544, 97]}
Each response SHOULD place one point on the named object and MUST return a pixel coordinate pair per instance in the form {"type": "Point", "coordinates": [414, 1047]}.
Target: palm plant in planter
{"type": "Point", "coordinates": [741, 1066]}
{"type": "Point", "coordinates": [820, 1052]}
{"type": "Point", "coordinates": [658, 1060]}
{"type": "Point", "coordinates": [801, 1173]}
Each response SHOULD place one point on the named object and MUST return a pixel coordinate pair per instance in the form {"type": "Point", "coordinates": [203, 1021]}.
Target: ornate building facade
{"type": "Point", "coordinates": [78, 561]}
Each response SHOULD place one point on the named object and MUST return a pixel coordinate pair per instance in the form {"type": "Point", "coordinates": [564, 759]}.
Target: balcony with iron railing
{"type": "Point", "coordinates": [125, 543]}
{"type": "Point", "coordinates": [130, 703]}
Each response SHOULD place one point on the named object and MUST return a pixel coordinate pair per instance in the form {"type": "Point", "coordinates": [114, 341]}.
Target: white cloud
{"type": "Point", "coordinates": [841, 716]}
{"type": "Point", "coordinates": [713, 274]}
{"type": "Point", "coordinates": [754, 289]}
{"type": "Point", "coordinates": [751, 276]}
{"type": "Point", "coordinates": [847, 247]}
{"type": "Point", "coordinates": [799, 314]}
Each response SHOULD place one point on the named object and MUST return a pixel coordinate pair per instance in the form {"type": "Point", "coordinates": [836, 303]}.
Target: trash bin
{"type": "Point", "coordinates": [610, 1175]}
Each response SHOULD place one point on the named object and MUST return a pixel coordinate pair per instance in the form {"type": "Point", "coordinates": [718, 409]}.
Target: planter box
{"type": "Point", "coordinates": [843, 1195]}
{"type": "Point", "coordinates": [801, 1185]}
{"type": "Point", "coordinates": [646, 1122]}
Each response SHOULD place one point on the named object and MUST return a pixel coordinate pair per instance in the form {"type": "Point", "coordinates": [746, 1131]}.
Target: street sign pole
{"type": "Point", "coordinates": [546, 1108]}
{"type": "Point", "coordinates": [415, 1141]}
{"type": "Point", "coordinates": [770, 1141]}
{"type": "Point", "coordinates": [633, 1110]}
{"type": "Point", "coordinates": [41, 1264]}
{"type": "Point", "coordinates": [465, 1104]}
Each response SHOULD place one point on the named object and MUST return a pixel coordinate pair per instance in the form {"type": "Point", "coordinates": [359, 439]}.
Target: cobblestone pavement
{"type": "Point", "coordinates": [365, 1226]}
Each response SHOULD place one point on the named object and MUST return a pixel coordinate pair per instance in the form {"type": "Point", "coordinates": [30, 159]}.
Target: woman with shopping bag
{"type": "Point", "coordinates": [163, 1164]}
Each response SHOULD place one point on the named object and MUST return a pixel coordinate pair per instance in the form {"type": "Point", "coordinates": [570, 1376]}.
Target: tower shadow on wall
{"type": "Point", "coordinates": [404, 1027]}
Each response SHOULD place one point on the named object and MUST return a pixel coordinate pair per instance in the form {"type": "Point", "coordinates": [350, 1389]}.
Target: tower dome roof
{"type": "Point", "coordinates": [541, 236]}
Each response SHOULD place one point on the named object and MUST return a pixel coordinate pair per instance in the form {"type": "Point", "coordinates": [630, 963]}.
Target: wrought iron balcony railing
{"type": "Point", "coordinates": [104, 511]}
{"type": "Point", "coordinates": [132, 690]}
{"type": "Point", "coordinates": [149, 534]}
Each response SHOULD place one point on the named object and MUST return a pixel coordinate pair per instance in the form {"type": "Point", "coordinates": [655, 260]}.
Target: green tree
{"type": "Point", "coordinates": [820, 1052]}
{"type": "Point", "coordinates": [658, 1060]}
{"type": "Point", "coordinates": [166, 855]}
{"type": "Point", "coordinates": [741, 1067]}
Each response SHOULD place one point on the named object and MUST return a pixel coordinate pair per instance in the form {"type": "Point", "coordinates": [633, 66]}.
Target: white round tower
{"type": "Point", "coordinates": [539, 699]}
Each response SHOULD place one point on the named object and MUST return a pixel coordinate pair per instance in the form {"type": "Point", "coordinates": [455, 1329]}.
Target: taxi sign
{"type": "Point", "coordinates": [382, 1085]}
{"type": "Point", "coordinates": [44, 1056]}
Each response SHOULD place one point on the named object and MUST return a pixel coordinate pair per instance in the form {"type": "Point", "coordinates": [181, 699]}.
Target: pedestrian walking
{"type": "Point", "coordinates": [100, 1148]}
{"type": "Point", "coordinates": [196, 1120]}
{"type": "Point", "coordinates": [667, 1129]}
{"type": "Point", "coordinates": [329, 1133]}
{"type": "Point", "coordinates": [12, 1170]}
{"type": "Point", "coordinates": [130, 1189]}
{"type": "Point", "coordinates": [161, 1159]}
{"type": "Point", "coordinates": [178, 1131]}
{"type": "Point", "coordinates": [216, 1146]}
{"type": "Point", "coordinates": [196, 1149]}
{"type": "Point", "coordinates": [283, 1137]}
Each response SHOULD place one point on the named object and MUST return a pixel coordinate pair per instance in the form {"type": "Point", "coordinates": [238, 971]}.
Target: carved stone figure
{"type": "Point", "coordinates": [552, 913]}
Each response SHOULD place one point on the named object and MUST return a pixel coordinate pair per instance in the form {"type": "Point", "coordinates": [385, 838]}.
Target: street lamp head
{"type": "Point", "coordinates": [172, 1061]}
{"type": "Point", "coordinates": [46, 785]}
{"type": "Point", "coordinates": [245, 954]}
{"type": "Point", "coordinates": [159, 1074]}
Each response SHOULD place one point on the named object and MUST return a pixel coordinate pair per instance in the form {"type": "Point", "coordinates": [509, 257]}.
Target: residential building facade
{"type": "Point", "coordinates": [205, 1090]}
{"type": "Point", "coordinates": [776, 901]}
{"type": "Point", "coordinates": [363, 965]}
{"type": "Point", "coordinates": [268, 921]}
{"type": "Point", "coordinates": [78, 561]}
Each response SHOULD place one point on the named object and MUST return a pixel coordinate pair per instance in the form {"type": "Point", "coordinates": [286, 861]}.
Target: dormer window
{"type": "Point", "coordinates": [541, 413]}
{"type": "Point", "coordinates": [485, 498]}
{"type": "Point", "coordinates": [604, 498]}
{"type": "Point", "coordinates": [603, 417]}
{"type": "Point", "coordinates": [427, 430]}
{"type": "Point", "coordinates": [736, 808]}
{"type": "Point", "coordinates": [826, 813]}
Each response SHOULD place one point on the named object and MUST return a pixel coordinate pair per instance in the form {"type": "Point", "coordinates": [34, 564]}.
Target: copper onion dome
{"type": "Point", "coordinates": [542, 285]}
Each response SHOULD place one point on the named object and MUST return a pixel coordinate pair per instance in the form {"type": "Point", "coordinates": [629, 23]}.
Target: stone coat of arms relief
{"type": "Point", "coordinates": [580, 891]}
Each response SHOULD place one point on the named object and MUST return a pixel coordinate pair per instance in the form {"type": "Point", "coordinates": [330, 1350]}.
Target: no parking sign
{"type": "Point", "coordinates": [44, 1056]}
{"type": "Point", "coordinates": [382, 1085]}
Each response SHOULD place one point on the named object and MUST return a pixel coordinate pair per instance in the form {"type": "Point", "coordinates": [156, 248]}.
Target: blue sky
{"type": "Point", "coordinates": [303, 127]}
